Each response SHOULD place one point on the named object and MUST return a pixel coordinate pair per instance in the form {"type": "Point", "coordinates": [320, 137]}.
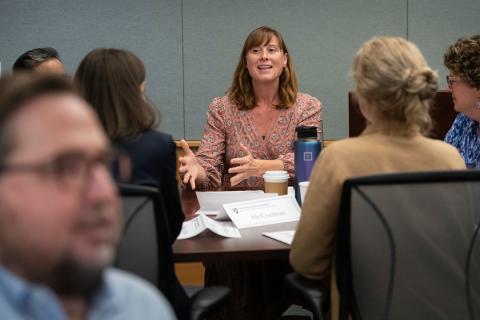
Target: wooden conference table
{"type": "Point", "coordinates": [209, 246]}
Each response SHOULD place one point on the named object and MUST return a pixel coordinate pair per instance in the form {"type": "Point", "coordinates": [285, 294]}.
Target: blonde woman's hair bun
{"type": "Point", "coordinates": [393, 76]}
{"type": "Point", "coordinates": [422, 82]}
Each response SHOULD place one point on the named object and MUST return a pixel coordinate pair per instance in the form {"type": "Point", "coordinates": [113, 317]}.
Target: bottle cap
{"type": "Point", "coordinates": [304, 132]}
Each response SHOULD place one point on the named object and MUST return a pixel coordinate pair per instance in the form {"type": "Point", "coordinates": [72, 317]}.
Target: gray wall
{"type": "Point", "coordinates": [191, 47]}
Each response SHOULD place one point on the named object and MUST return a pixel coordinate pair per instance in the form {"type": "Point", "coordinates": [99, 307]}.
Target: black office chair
{"type": "Point", "coordinates": [145, 247]}
{"type": "Point", "coordinates": [408, 247]}
{"type": "Point", "coordinates": [314, 295]}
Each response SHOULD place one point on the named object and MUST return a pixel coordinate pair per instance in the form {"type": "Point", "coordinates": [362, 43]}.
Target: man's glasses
{"type": "Point", "coordinates": [71, 170]}
{"type": "Point", "coordinates": [451, 80]}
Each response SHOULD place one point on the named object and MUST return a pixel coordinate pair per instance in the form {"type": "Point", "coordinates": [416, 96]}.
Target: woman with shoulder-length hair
{"type": "Point", "coordinates": [395, 88]}
{"type": "Point", "coordinates": [252, 128]}
{"type": "Point", "coordinates": [113, 82]}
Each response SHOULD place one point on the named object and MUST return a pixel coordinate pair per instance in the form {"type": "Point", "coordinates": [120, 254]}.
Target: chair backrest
{"type": "Point", "coordinates": [408, 246]}
{"type": "Point", "coordinates": [442, 114]}
{"type": "Point", "coordinates": [144, 248]}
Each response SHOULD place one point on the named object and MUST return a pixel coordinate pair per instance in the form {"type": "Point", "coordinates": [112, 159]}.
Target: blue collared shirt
{"type": "Point", "coordinates": [122, 296]}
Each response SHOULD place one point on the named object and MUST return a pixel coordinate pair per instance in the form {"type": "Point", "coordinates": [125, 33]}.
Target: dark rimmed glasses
{"type": "Point", "coordinates": [73, 168]}
{"type": "Point", "coordinates": [451, 80]}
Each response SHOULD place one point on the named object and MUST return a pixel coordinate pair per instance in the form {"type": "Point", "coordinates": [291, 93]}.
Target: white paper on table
{"type": "Point", "coordinates": [282, 236]}
{"type": "Point", "coordinates": [211, 202]}
{"type": "Point", "coordinates": [261, 212]}
{"type": "Point", "coordinates": [197, 225]}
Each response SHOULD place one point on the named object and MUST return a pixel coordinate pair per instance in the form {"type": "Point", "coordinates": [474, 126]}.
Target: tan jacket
{"type": "Point", "coordinates": [371, 153]}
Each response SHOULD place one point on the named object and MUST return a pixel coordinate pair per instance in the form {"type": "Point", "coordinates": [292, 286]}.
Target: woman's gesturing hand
{"type": "Point", "coordinates": [245, 167]}
{"type": "Point", "coordinates": [191, 171]}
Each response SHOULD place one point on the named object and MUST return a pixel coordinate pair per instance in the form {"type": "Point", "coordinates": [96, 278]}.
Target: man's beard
{"type": "Point", "coordinates": [72, 279]}
{"type": "Point", "coordinates": [75, 277]}
{"type": "Point", "coordinates": [69, 277]}
{"type": "Point", "coordinates": [65, 274]}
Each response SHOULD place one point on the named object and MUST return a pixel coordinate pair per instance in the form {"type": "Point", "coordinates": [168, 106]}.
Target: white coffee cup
{"type": "Point", "coordinates": [303, 189]}
{"type": "Point", "coordinates": [276, 182]}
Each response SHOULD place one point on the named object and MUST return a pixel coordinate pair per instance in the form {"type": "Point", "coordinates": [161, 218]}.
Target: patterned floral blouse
{"type": "Point", "coordinates": [227, 127]}
{"type": "Point", "coordinates": [464, 135]}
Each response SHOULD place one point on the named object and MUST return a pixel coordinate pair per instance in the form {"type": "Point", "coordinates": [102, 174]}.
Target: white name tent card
{"type": "Point", "coordinates": [282, 236]}
{"type": "Point", "coordinates": [211, 202]}
{"type": "Point", "coordinates": [261, 212]}
{"type": "Point", "coordinates": [197, 225]}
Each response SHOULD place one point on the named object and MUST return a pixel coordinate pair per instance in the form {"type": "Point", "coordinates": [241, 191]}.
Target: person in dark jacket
{"type": "Point", "coordinates": [113, 81]}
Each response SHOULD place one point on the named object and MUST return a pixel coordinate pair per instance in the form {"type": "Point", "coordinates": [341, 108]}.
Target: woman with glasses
{"type": "Point", "coordinates": [251, 130]}
{"type": "Point", "coordinates": [113, 82]}
{"type": "Point", "coordinates": [395, 87]}
{"type": "Point", "coordinates": [462, 60]}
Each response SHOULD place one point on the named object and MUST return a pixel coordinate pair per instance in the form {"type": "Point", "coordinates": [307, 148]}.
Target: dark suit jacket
{"type": "Point", "coordinates": [153, 156]}
{"type": "Point", "coordinates": [154, 164]}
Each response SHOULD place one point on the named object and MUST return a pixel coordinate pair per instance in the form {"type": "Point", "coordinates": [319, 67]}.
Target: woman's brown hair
{"type": "Point", "coordinates": [463, 59]}
{"type": "Point", "coordinates": [241, 89]}
{"type": "Point", "coordinates": [110, 80]}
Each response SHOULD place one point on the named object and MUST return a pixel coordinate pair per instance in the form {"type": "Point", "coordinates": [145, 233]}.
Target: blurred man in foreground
{"type": "Point", "coordinates": [59, 211]}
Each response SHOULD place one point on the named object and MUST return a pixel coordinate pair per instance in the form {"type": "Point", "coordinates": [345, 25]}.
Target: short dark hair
{"type": "Point", "coordinates": [110, 80]}
{"type": "Point", "coordinates": [463, 59]}
{"type": "Point", "coordinates": [32, 58]}
{"type": "Point", "coordinates": [16, 91]}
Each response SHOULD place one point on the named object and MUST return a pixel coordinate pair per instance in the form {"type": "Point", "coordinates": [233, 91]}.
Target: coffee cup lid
{"type": "Point", "coordinates": [276, 175]}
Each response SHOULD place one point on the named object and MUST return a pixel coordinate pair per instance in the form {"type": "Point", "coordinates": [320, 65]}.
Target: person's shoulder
{"type": "Point", "coordinates": [129, 283]}
{"type": "Point", "coordinates": [353, 149]}
{"type": "Point", "coordinates": [305, 96]}
{"type": "Point", "coordinates": [302, 96]}
{"type": "Point", "coordinates": [463, 123]}
{"type": "Point", "coordinates": [130, 290]}
{"type": "Point", "coordinates": [151, 144]}
{"type": "Point", "coordinates": [340, 150]}
{"type": "Point", "coordinates": [158, 135]}
{"type": "Point", "coordinates": [8, 309]}
{"type": "Point", "coordinates": [350, 144]}
{"type": "Point", "coordinates": [462, 128]}
{"type": "Point", "coordinates": [461, 117]}
{"type": "Point", "coordinates": [440, 146]}
{"type": "Point", "coordinates": [222, 108]}
{"type": "Point", "coordinates": [221, 103]}
{"type": "Point", "coordinates": [438, 151]}
{"type": "Point", "coordinates": [304, 100]}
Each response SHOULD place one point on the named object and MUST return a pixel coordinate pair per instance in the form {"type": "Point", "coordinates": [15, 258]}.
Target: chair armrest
{"type": "Point", "coordinates": [206, 300]}
{"type": "Point", "coordinates": [314, 293]}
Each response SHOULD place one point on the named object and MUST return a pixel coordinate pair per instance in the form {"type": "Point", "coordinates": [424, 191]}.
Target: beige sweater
{"type": "Point", "coordinates": [371, 153]}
